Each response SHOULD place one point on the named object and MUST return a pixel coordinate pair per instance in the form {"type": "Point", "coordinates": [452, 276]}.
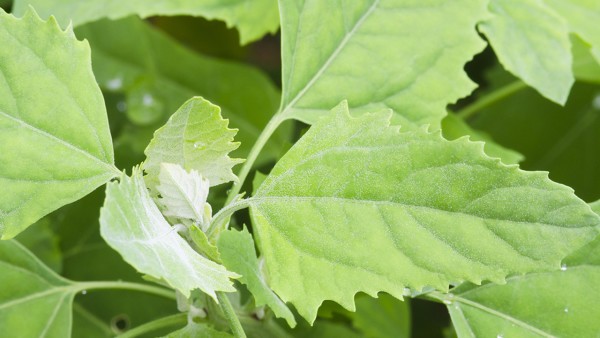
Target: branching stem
{"type": "Point", "coordinates": [169, 321]}
{"type": "Point", "coordinates": [232, 319]}
{"type": "Point", "coordinates": [490, 99]}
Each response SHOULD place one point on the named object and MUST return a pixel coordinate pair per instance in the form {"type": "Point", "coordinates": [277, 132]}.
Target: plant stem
{"type": "Point", "coordinates": [220, 219]}
{"type": "Point", "coordinates": [490, 99]}
{"type": "Point", "coordinates": [173, 320]}
{"type": "Point", "coordinates": [159, 291]}
{"type": "Point", "coordinates": [264, 136]}
{"type": "Point", "coordinates": [232, 319]}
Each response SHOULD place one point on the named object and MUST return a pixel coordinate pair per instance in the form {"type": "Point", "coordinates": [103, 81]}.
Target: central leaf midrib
{"type": "Point", "coordinates": [258, 200]}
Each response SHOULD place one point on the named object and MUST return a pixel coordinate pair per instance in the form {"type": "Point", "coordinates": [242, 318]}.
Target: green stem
{"type": "Point", "coordinates": [169, 321]}
{"type": "Point", "coordinates": [232, 319]}
{"type": "Point", "coordinates": [264, 136]}
{"type": "Point", "coordinates": [219, 222]}
{"type": "Point", "coordinates": [490, 99]}
{"type": "Point", "coordinates": [159, 291]}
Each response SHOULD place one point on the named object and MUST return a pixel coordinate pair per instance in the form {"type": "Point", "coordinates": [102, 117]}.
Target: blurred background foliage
{"type": "Point", "coordinates": [149, 72]}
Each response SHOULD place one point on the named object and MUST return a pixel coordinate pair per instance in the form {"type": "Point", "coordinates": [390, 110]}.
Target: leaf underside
{"type": "Point", "coordinates": [253, 18]}
{"type": "Point", "coordinates": [357, 206]}
{"type": "Point", "coordinates": [365, 56]}
{"type": "Point", "coordinates": [56, 145]}
{"type": "Point", "coordinates": [131, 224]}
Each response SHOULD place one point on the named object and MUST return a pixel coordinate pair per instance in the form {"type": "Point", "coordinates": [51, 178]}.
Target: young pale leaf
{"type": "Point", "coordinates": [454, 127]}
{"type": "Point", "coordinates": [253, 18]}
{"type": "Point", "coordinates": [583, 17]}
{"type": "Point", "coordinates": [195, 137]}
{"type": "Point", "coordinates": [55, 145]}
{"type": "Point", "coordinates": [183, 194]}
{"type": "Point", "coordinates": [34, 301]}
{"type": "Point", "coordinates": [238, 254]}
{"type": "Point", "coordinates": [128, 54]}
{"type": "Point", "coordinates": [132, 225]}
{"type": "Point", "coordinates": [532, 42]}
{"type": "Point", "coordinates": [357, 206]}
{"type": "Point", "coordinates": [378, 54]}
{"type": "Point", "coordinates": [551, 304]}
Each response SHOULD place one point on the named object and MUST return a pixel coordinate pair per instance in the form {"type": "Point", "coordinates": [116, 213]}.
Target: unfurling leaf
{"type": "Point", "coordinates": [357, 205]}
{"type": "Point", "coordinates": [195, 137]}
{"type": "Point", "coordinates": [183, 194]}
{"type": "Point", "coordinates": [131, 224]}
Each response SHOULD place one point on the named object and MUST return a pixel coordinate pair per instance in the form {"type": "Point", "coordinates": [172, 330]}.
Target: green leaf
{"type": "Point", "coordinates": [585, 67]}
{"type": "Point", "coordinates": [551, 304]}
{"type": "Point", "coordinates": [132, 225]}
{"type": "Point", "coordinates": [55, 141]}
{"type": "Point", "coordinates": [129, 54]}
{"type": "Point", "coordinates": [532, 42]}
{"type": "Point", "coordinates": [34, 301]}
{"type": "Point", "coordinates": [193, 330]}
{"type": "Point", "coordinates": [454, 127]}
{"type": "Point", "coordinates": [595, 206]}
{"type": "Point", "coordinates": [253, 18]}
{"type": "Point", "coordinates": [357, 206]}
{"type": "Point", "coordinates": [583, 17]}
{"type": "Point", "coordinates": [43, 243]}
{"type": "Point", "coordinates": [238, 254]}
{"type": "Point", "coordinates": [205, 247]}
{"type": "Point", "coordinates": [197, 138]}
{"type": "Point", "coordinates": [378, 54]}
{"type": "Point", "coordinates": [183, 194]}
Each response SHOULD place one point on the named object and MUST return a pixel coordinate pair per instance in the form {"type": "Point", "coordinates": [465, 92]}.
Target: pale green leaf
{"type": "Point", "coordinates": [562, 303]}
{"type": "Point", "coordinates": [54, 136]}
{"type": "Point", "coordinates": [585, 67]}
{"type": "Point", "coordinates": [404, 55]}
{"type": "Point", "coordinates": [583, 17]}
{"type": "Point", "coordinates": [238, 255]}
{"type": "Point", "coordinates": [132, 225]}
{"type": "Point", "coordinates": [183, 194]}
{"type": "Point", "coordinates": [454, 127]}
{"type": "Point", "coordinates": [253, 18]}
{"type": "Point", "coordinates": [532, 42]}
{"type": "Point", "coordinates": [129, 56]}
{"type": "Point", "coordinates": [195, 137]}
{"type": "Point", "coordinates": [194, 330]}
{"type": "Point", "coordinates": [357, 206]}
{"type": "Point", "coordinates": [34, 301]}
{"type": "Point", "coordinates": [595, 206]}
{"type": "Point", "coordinates": [203, 245]}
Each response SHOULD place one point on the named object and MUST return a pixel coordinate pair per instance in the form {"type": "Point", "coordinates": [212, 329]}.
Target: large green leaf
{"type": "Point", "coordinates": [131, 57]}
{"type": "Point", "coordinates": [532, 42]}
{"type": "Point", "coordinates": [357, 206]}
{"type": "Point", "coordinates": [132, 225]}
{"type": "Point", "coordinates": [238, 254]}
{"type": "Point", "coordinates": [253, 18]}
{"type": "Point", "coordinates": [197, 138]}
{"type": "Point", "coordinates": [198, 330]}
{"type": "Point", "coordinates": [34, 301]}
{"type": "Point", "coordinates": [54, 137]}
{"type": "Point", "coordinates": [404, 55]}
{"type": "Point", "coordinates": [583, 17]}
{"type": "Point", "coordinates": [551, 304]}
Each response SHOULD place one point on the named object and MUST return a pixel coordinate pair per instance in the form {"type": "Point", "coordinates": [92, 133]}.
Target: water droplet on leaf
{"type": "Point", "coordinates": [199, 145]}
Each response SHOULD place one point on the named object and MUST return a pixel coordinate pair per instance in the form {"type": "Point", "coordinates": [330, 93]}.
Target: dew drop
{"type": "Point", "coordinates": [447, 302]}
{"type": "Point", "coordinates": [563, 267]}
{"type": "Point", "coordinates": [199, 145]}
{"type": "Point", "coordinates": [114, 84]}
{"type": "Point", "coordinates": [596, 102]}
{"type": "Point", "coordinates": [566, 310]}
{"type": "Point", "coordinates": [147, 99]}
{"type": "Point", "coordinates": [84, 292]}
